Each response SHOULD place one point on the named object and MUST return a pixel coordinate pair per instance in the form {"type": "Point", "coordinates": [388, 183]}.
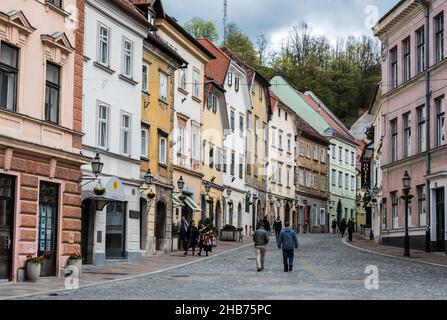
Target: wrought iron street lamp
{"type": "Point", "coordinates": [181, 183]}
{"type": "Point", "coordinates": [228, 192]}
{"type": "Point", "coordinates": [406, 184]}
{"type": "Point", "coordinates": [97, 165]}
{"type": "Point", "coordinates": [148, 177]}
{"type": "Point", "coordinates": [207, 187]}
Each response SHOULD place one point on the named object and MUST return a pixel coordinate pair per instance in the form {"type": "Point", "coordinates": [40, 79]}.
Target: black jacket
{"type": "Point", "coordinates": [192, 235]}
{"type": "Point", "coordinates": [277, 225]}
{"type": "Point", "coordinates": [266, 225]}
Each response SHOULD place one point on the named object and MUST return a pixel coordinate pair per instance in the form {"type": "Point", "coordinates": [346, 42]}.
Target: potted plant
{"type": "Point", "coordinates": [33, 266]}
{"type": "Point", "coordinates": [75, 259]}
{"type": "Point", "coordinates": [99, 191]}
{"type": "Point", "coordinates": [175, 237]}
{"type": "Point", "coordinates": [151, 194]}
{"type": "Point", "coordinates": [228, 233]}
{"type": "Point", "coordinates": [182, 197]}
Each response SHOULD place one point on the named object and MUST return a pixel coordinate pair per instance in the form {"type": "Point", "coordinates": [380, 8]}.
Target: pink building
{"type": "Point", "coordinates": [41, 60]}
{"type": "Point", "coordinates": [414, 88]}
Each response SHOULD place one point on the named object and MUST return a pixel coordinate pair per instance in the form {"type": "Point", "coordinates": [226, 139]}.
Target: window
{"type": "Point", "coordinates": [264, 133]}
{"type": "Point", "coordinates": [224, 161]}
{"type": "Point", "coordinates": [422, 129]}
{"type": "Point", "coordinates": [393, 54]}
{"type": "Point", "coordinates": [288, 177]}
{"type": "Point", "coordinates": [315, 152]}
{"type": "Point", "coordinates": [104, 45]}
{"type": "Point", "coordinates": [323, 155]}
{"type": "Point", "coordinates": [322, 217]}
{"type": "Point", "coordinates": [241, 168]}
{"type": "Point", "coordinates": [182, 79]}
{"type": "Point", "coordinates": [289, 144]}
{"type": "Point", "coordinates": [420, 42]}
{"type": "Point", "coordinates": [406, 50]}
{"type": "Point", "coordinates": [286, 115]}
{"type": "Point", "coordinates": [384, 214]}
{"type": "Point", "coordinates": [125, 133]}
{"type": "Point", "coordinates": [352, 183]}
{"type": "Point", "coordinates": [279, 112]}
{"type": "Point", "coordinates": [301, 176]}
{"type": "Point", "coordinates": [346, 181]}
{"type": "Point", "coordinates": [340, 154]}
{"type": "Point", "coordinates": [196, 84]}
{"type": "Point", "coordinates": [346, 156]}
{"type": "Point", "coordinates": [440, 121]}
{"type": "Point", "coordinates": [236, 84]}
{"type": "Point", "coordinates": [144, 142]}
{"type": "Point", "coordinates": [9, 59]}
{"type": "Point", "coordinates": [315, 178]}
{"type": "Point", "coordinates": [421, 205]}
{"type": "Point", "coordinates": [103, 125]}
{"type": "Point", "coordinates": [323, 183]}
{"type": "Point", "coordinates": [334, 178]}
{"type": "Point", "coordinates": [219, 160]}
{"type": "Point", "coordinates": [211, 156]}
{"type": "Point", "coordinates": [439, 37]}
{"type": "Point", "coordinates": [261, 92]}
{"type": "Point", "coordinates": [352, 158]}
{"type": "Point", "coordinates": [340, 179]}
{"type": "Point", "coordinates": [394, 210]}
{"type": "Point", "coordinates": [280, 173]}
{"type": "Point", "coordinates": [256, 127]}
{"type": "Point", "coordinates": [162, 150]}
{"type": "Point", "coordinates": [232, 165]}
{"type": "Point", "coordinates": [52, 93]}
{"type": "Point", "coordinates": [407, 134]}
{"type": "Point", "coordinates": [195, 146]}
{"type": "Point", "coordinates": [181, 137]}
{"type": "Point", "coordinates": [248, 120]}
{"type": "Point", "coordinates": [241, 125]}
{"type": "Point", "coordinates": [333, 151]}
{"type": "Point", "coordinates": [274, 137]}
{"type": "Point", "coordinates": [127, 57]}
{"type": "Point", "coordinates": [57, 3]}
{"type": "Point", "coordinates": [308, 179]}
{"type": "Point", "coordinates": [302, 149]}
{"type": "Point", "coordinates": [280, 140]}
{"type": "Point", "coordinates": [163, 82]}
{"type": "Point", "coordinates": [308, 151]}
{"type": "Point", "coordinates": [230, 79]}
{"type": "Point", "coordinates": [393, 125]}
{"type": "Point", "coordinates": [232, 124]}
{"type": "Point", "coordinates": [145, 78]}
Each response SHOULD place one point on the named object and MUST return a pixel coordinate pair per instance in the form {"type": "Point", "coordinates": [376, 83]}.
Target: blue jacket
{"type": "Point", "coordinates": [288, 239]}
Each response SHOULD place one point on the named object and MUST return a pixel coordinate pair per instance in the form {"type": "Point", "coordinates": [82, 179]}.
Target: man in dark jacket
{"type": "Point", "coordinates": [277, 226]}
{"type": "Point", "coordinates": [289, 242]}
{"type": "Point", "coordinates": [183, 229]}
{"type": "Point", "coordinates": [266, 224]}
{"type": "Point", "coordinates": [343, 227]}
{"type": "Point", "coordinates": [351, 229]}
{"type": "Point", "coordinates": [261, 239]}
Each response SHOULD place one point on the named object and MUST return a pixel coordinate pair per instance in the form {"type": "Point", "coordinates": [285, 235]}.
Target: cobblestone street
{"type": "Point", "coordinates": [325, 268]}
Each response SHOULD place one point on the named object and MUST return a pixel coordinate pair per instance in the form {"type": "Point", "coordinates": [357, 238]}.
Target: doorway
{"type": "Point", "coordinates": [160, 224]}
{"type": "Point", "coordinates": [143, 223]}
{"type": "Point", "coordinates": [239, 215]}
{"type": "Point", "coordinates": [440, 220]}
{"type": "Point", "coordinates": [88, 225]}
{"type": "Point", "coordinates": [218, 214]}
{"type": "Point", "coordinates": [287, 213]}
{"type": "Point", "coordinates": [6, 225]}
{"type": "Point", "coordinates": [115, 230]}
{"type": "Point", "coordinates": [48, 220]}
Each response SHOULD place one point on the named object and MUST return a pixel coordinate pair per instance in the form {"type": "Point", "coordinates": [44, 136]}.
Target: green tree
{"type": "Point", "coordinates": [240, 45]}
{"type": "Point", "coordinates": [199, 28]}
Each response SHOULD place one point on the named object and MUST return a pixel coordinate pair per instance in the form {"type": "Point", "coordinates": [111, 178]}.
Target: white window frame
{"type": "Point", "coordinates": [124, 130]}
{"type": "Point", "coordinates": [163, 86]}
{"type": "Point", "coordinates": [181, 139]}
{"type": "Point", "coordinates": [145, 78]}
{"type": "Point", "coordinates": [196, 82]}
{"type": "Point", "coordinates": [144, 142]}
{"type": "Point", "coordinates": [102, 120]}
{"type": "Point", "coordinates": [162, 157]}
{"type": "Point", "coordinates": [127, 53]}
{"type": "Point", "coordinates": [103, 39]}
{"type": "Point", "coordinates": [182, 78]}
{"type": "Point", "coordinates": [195, 146]}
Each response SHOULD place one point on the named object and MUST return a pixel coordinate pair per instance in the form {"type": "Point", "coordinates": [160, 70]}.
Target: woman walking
{"type": "Point", "coordinates": [192, 237]}
{"type": "Point", "coordinates": [205, 239]}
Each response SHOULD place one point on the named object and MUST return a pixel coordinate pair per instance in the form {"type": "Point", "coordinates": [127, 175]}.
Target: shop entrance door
{"type": "Point", "coordinates": [6, 225]}
{"type": "Point", "coordinates": [115, 230]}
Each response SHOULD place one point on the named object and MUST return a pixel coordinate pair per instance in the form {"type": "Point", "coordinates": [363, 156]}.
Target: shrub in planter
{"type": "Point", "coordinates": [99, 191]}
{"type": "Point", "coordinates": [75, 259]}
{"type": "Point", "coordinates": [33, 266]}
{"type": "Point", "coordinates": [151, 195]}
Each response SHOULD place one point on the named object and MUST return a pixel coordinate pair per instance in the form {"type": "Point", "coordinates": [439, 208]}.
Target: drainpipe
{"type": "Point", "coordinates": [426, 5]}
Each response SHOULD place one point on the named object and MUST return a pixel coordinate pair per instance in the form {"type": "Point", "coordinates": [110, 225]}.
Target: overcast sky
{"type": "Point", "coordinates": [275, 18]}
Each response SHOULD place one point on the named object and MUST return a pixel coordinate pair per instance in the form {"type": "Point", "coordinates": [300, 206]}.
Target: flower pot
{"type": "Point", "coordinates": [33, 271]}
{"type": "Point", "coordinates": [77, 263]}
{"type": "Point", "coordinates": [174, 242]}
{"type": "Point", "coordinates": [99, 192]}
{"type": "Point", "coordinates": [151, 195]}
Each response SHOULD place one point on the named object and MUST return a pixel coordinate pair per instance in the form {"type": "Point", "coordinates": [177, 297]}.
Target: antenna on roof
{"type": "Point", "coordinates": [225, 3]}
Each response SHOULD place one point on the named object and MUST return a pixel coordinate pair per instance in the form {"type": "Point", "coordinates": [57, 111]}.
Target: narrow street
{"type": "Point", "coordinates": [325, 268]}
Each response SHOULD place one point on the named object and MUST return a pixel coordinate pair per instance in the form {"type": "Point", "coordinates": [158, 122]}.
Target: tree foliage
{"type": "Point", "coordinates": [240, 44]}
{"type": "Point", "coordinates": [199, 28]}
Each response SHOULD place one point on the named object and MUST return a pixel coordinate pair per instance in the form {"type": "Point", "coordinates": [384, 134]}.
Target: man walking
{"type": "Point", "coordinates": [266, 224]}
{"type": "Point", "coordinates": [183, 229]}
{"type": "Point", "coordinates": [261, 239]}
{"type": "Point", "coordinates": [351, 229]}
{"type": "Point", "coordinates": [277, 226]}
{"type": "Point", "coordinates": [289, 242]}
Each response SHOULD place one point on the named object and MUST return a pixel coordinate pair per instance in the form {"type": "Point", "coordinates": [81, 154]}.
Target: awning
{"type": "Point", "coordinates": [114, 190]}
{"type": "Point", "coordinates": [176, 202]}
{"type": "Point", "coordinates": [192, 204]}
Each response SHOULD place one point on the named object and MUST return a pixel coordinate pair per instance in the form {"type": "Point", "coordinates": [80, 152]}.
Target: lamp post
{"type": "Point", "coordinates": [148, 177]}
{"type": "Point", "coordinates": [406, 180]}
{"type": "Point", "coordinates": [97, 165]}
{"type": "Point", "coordinates": [181, 183]}
{"type": "Point", "coordinates": [207, 188]}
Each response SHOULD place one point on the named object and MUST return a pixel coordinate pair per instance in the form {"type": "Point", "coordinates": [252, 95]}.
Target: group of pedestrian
{"type": "Point", "coordinates": [192, 237]}
{"type": "Point", "coordinates": [286, 240]}
{"type": "Point", "coordinates": [343, 227]}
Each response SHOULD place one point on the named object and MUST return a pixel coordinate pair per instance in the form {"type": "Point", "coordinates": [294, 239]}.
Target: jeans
{"type": "Point", "coordinates": [260, 257]}
{"type": "Point", "coordinates": [277, 233]}
{"type": "Point", "coordinates": [287, 255]}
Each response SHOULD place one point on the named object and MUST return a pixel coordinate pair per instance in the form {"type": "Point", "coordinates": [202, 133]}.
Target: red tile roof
{"type": "Point", "coordinates": [129, 7]}
{"type": "Point", "coordinates": [216, 69]}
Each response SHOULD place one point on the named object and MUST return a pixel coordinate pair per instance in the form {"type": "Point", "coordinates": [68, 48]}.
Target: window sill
{"type": "Point", "coordinates": [196, 99]}
{"type": "Point", "coordinates": [144, 158]}
{"type": "Point", "coordinates": [183, 91]}
{"type": "Point", "coordinates": [86, 59]}
{"type": "Point", "coordinates": [103, 67]}
{"type": "Point", "coordinates": [127, 79]}
{"type": "Point", "coordinates": [57, 9]}
{"type": "Point", "coordinates": [163, 103]}
{"type": "Point", "coordinates": [165, 166]}
{"type": "Point", "coordinates": [146, 93]}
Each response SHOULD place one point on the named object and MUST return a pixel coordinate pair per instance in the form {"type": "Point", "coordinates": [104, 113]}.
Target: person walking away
{"type": "Point", "coordinates": [183, 229]}
{"type": "Point", "coordinates": [277, 226]}
{"type": "Point", "coordinates": [192, 237]}
{"type": "Point", "coordinates": [343, 227]}
{"type": "Point", "coordinates": [205, 241]}
{"type": "Point", "coordinates": [266, 224]}
{"type": "Point", "coordinates": [351, 229]}
{"type": "Point", "coordinates": [288, 241]}
{"type": "Point", "coordinates": [261, 239]}
{"type": "Point", "coordinates": [334, 226]}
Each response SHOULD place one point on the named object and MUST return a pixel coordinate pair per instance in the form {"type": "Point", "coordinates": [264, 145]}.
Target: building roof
{"type": "Point", "coordinates": [216, 69]}
{"type": "Point", "coordinates": [129, 7]}
{"type": "Point", "coordinates": [291, 97]}
{"type": "Point", "coordinates": [166, 48]}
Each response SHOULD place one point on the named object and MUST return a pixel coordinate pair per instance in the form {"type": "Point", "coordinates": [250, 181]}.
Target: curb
{"type": "Point", "coordinates": [391, 256]}
{"type": "Point", "coordinates": [127, 278]}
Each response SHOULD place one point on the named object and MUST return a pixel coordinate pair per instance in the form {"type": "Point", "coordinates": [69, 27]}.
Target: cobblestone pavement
{"type": "Point", "coordinates": [324, 268]}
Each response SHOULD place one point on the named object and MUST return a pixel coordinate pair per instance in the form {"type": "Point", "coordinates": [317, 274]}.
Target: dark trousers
{"type": "Point", "coordinates": [287, 255]}
{"type": "Point", "coordinates": [277, 233]}
{"type": "Point", "coordinates": [350, 235]}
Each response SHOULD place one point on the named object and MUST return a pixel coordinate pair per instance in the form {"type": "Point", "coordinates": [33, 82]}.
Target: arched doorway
{"type": "Point", "coordinates": [230, 213]}
{"type": "Point", "coordinates": [287, 213]}
{"type": "Point", "coordinates": [160, 224]}
{"type": "Point", "coordinates": [218, 210]}
{"type": "Point", "coordinates": [239, 215]}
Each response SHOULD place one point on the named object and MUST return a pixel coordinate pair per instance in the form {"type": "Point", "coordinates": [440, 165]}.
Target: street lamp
{"type": "Point", "coordinates": [181, 183]}
{"type": "Point", "coordinates": [228, 192]}
{"type": "Point", "coordinates": [207, 187]}
{"type": "Point", "coordinates": [406, 180]}
{"type": "Point", "coordinates": [148, 177]}
{"type": "Point", "coordinates": [97, 165]}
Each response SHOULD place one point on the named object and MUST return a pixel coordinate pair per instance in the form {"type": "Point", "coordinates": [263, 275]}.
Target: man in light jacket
{"type": "Point", "coordinates": [288, 242]}
{"type": "Point", "coordinates": [261, 239]}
